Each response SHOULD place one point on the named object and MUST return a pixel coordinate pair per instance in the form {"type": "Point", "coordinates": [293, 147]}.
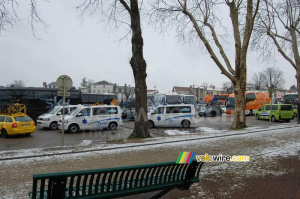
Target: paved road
{"type": "Point", "coordinates": [49, 138]}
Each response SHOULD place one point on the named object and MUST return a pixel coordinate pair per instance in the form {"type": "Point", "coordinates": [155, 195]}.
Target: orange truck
{"type": "Point", "coordinates": [254, 100]}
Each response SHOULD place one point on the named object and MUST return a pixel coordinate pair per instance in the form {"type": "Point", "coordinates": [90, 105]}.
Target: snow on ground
{"type": "Point", "coordinates": [211, 130]}
{"type": "Point", "coordinates": [85, 143]}
{"type": "Point", "coordinates": [176, 132]}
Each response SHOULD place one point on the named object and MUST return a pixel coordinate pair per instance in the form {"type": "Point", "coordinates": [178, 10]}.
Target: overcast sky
{"type": "Point", "coordinates": [86, 49]}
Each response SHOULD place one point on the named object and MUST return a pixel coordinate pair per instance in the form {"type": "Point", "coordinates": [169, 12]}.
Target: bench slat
{"type": "Point", "coordinates": [117, 182]}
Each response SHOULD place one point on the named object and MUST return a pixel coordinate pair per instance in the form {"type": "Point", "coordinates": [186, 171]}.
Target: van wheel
{"type": "Point", "coordinates": [53, 126]}
{"type": "Point", "coordinates": [73, 128]}
{"type": "Point", "coordinates": [112, 126]}
{"type": "Point", "coordinates": [257, 117]}
{"type": "Point", "coordinates": [288, 120]}
{"type": "Point", "coordinates": [151, 124]}
{"type": "Point", "coordinates": [185, 124]}
{"type": "Point", "coordinates": [273, 119]}
{"type": "Point", "coordinates": [4, 133]}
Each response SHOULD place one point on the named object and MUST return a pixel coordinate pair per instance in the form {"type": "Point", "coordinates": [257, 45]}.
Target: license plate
{"type": "Point", "coordinates": [25, 124]}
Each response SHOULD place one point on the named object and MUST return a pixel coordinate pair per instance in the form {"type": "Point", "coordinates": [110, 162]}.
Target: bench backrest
{"type": "Point", "coordinates": [115, 182]}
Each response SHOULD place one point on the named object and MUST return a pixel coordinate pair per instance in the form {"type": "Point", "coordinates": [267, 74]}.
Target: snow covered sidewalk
{"type": "Point", "coordinates": [274, 155]}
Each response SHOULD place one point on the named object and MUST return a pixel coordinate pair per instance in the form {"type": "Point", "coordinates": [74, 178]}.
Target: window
{"type": "Point", "coordinates": [250, 97]}
{"type": "Point", "coordinates": [268, 107]}
{"type": "Point", "coordinates": [120, 90]}
{"type": "Point", "coordinates": [105, 111]}
{"type": "Point", "coordinates": [159, 110]}
{"type": "Point", "coordinates": [178, 109]}
{"type": "Point", "coordinates": [103, 86]}
{"type": "Point", "coordinates": [2, 118]}
{"type": "Point", "coordinates": [274, 107]}
{"type": "Point", "coordinates": [108, 91]}
{"type": "Point", "coordinates": [286, 107]}
{"type": "Point", "coordinates": [261, 108]}
{"type": "Point", "coordinates": [8, 119]}
{"type": "Point", "coordinates": [98, 91]}
{"type": "Point", "coordinates": [85, 112]}
{"type": "Point", "coordinates": [23, 119]}
{"type": "Point", "coordinates": [93, 91]}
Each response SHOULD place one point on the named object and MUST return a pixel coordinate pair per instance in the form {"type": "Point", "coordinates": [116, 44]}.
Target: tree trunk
{"type": "Point", "coordinates": [138, 65]}
{"type": "Point", "coordinates": [240, 107]}
{"type": "Point", "coordinates": [298, 88]}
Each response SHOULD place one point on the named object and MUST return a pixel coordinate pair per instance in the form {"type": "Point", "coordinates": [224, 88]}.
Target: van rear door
{"type": "Point", "coordinates": [287, 111]}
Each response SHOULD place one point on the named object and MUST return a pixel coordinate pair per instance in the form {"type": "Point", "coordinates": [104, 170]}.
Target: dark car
{"type": "Point", "coordinates": [128, 114]}
{"type": "Point", "coordinates": [211, 112]}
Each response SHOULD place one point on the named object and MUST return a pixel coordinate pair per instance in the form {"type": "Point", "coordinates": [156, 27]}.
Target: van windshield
{"type": "Point", "coordinates": [74, 112]}
{"type": "Point", "coordinates": [54, 110]}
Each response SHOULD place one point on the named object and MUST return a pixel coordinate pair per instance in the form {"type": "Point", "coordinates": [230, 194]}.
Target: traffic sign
{"type": "Point", "coordinates": [60, 82]}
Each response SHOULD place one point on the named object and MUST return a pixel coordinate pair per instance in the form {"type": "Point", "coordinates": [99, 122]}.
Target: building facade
{"type": "Point", "coordinates": [125, 92]}
{"type": "Point", "coordinates": [102, 87]}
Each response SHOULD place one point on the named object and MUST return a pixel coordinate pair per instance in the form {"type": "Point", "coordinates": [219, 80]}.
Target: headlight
{"type": "Point", "coordinates": [47, 119]}
{"type": "Point", "coordinates": [66, 121]}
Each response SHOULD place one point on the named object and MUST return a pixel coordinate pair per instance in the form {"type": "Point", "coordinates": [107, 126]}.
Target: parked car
{"type": "Point", "coordinates": [198, 106]}
{"type": "Point", "coordinates": [173, 115]}
{"type": "Point", "coordinates": [128, 114]}
{"type": "Point", "coordinates": [50, 119]}
{"type": "Point", "coordinates": [16, 124]}
{"type": "Point", "coordinates": [202, 111]}
{"type": "Point", "coordinates": [275, 112]}
{"type": "Point", "coordinates": [92, 118]}
{"type": "Point", "coordinates": [211, 112]}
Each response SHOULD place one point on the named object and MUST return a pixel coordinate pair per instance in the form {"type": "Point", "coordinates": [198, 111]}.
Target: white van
{"type": "Point", "coordinates": [50, 119]}
{"type": "Point", "coordinates": [173, 115]}
{"type": "Point", "coordinates": [93, 118]}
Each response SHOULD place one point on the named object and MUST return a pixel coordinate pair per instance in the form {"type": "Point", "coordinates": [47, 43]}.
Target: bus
{"type": "Point", "coordinates": [254, 100]}
{"type": "Point", "coordinates": [290, 98]}
{"type": "Point", "coordinates": [39, 100]}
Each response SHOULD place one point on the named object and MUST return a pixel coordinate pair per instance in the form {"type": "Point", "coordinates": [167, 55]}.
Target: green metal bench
{"type": "Point", "coordinates": [116, 182]}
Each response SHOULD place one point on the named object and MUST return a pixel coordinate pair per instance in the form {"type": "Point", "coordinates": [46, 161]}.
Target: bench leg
{"type": "Point", "coordinates": [160, 194]}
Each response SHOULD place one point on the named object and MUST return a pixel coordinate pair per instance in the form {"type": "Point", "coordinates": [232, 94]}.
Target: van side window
{"type": "Point", "coordinates": [178, 109]}
{"type": "Point", "coordinates": [8, 119]}
{"type": "Point", "coordinates": [274, 107]}
{"type": "Point", "coordinates": [159, 110]}
{"type": "Point", "coordinates": [2, 118]}
{"type": "Point", "coordinates": [105, 111]}
{"type": "Point", "coordinates": [286, 107]}
{"type": "Point", "coordinates": [261, 108]}
{"type": "Point", "coordinates": [268, 107]}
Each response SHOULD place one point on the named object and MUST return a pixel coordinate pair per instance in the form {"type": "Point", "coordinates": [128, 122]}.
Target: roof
{"type": "Point", "coordinates": [103, 83]}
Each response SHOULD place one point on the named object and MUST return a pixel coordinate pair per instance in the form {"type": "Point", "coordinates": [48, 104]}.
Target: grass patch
{"type": "Point", "coordinates": [238, 128]}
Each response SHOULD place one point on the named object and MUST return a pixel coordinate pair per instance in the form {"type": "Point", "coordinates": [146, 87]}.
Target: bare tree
{"type": "Point", "coordinates": [116, 12]}
{"type": "Point", "coordinates": [257, 81]}
{"type": "Point", "coordinates": [17, 83]}
{"type": "Point", "coordinates": [9, 16]}
{"type": "Point", "coordinates": [278, 28]}
{"type": "Point", "coordinates": [228, 87]}
{"type": "Point", "coordinates": [199, 19]}
{"type": "Point", "coordinates": [272, 79]}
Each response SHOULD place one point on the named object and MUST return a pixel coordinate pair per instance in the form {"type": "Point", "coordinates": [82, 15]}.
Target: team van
{"type": "Point", "coordinates": [275, 112]}
{"type": "Point", "coordinates": [92, 118]}
{"type": "Point", "coordinates": [173, 115]}
{"type": "Point", "coordinates": [50, 119]}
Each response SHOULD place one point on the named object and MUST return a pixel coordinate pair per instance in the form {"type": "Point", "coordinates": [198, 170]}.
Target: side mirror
{"type": "Point", "coordinates": [79, 114]}
{"type": "Point", "coordinates": [59, 113]}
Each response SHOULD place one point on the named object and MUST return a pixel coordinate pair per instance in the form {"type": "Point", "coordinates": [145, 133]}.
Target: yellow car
{"type": "Point", "coordinates": [16, 124]}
